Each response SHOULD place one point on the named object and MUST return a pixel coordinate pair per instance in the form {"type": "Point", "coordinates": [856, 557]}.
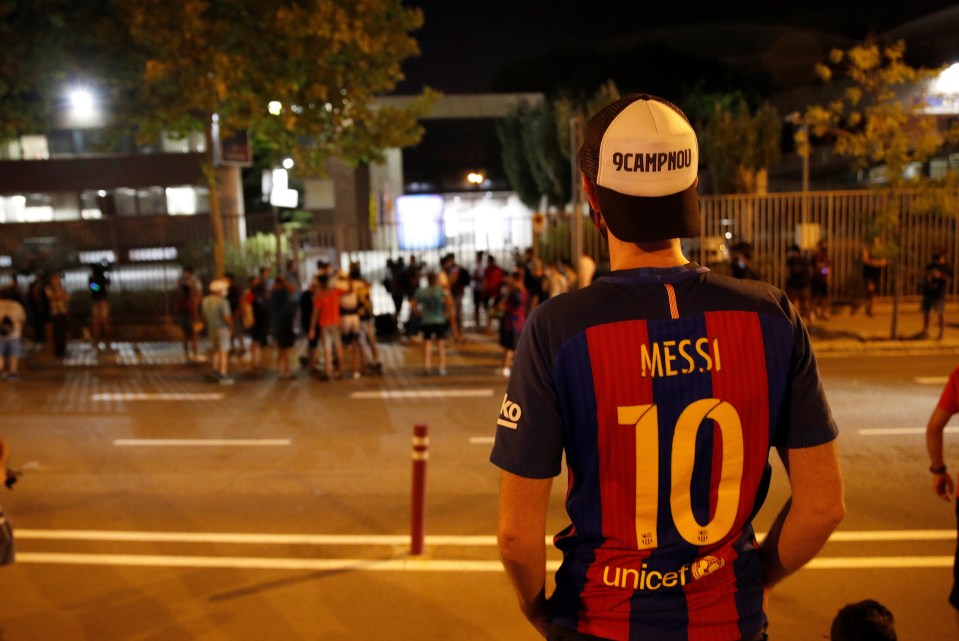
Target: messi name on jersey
{"type": "Point", "coordinates": [672, 358]}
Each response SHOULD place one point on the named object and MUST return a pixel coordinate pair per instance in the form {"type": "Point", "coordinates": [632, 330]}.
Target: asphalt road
{"type": "Point", "coordinates": [157, 505]}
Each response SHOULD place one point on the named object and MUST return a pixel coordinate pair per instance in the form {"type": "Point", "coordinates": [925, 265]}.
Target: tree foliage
{"type": "Point", "coordinates": [324, 61]}
{"type": "Point", "coordinates": [738, 143]}
{"type": "Point", "coordinates": [536, 147]}
{"type": "Point", "coordinates": [877, 119]}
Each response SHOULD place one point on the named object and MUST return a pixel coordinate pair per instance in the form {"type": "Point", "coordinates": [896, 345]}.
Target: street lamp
{"type": "Point", "coordinates": [802, 146]}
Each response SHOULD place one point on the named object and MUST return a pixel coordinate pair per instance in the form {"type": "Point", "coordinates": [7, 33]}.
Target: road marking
{"type": "Point", "coordinates": [424, 393]}
{"type": "Point", "coordinates": [396, 539]}
{"type": "Point", "coordinates": [171, 396]}
{"type": "Point", "coordinates": [201, 442]}
{"type": "Point", "coordinates": [407, 564]}
{"type": "Point", "coordinates": [896, 431]}
{"type": "Point", "coordinates": [932, 380]}
{"type": "Point", "coordinates": [250, 538]}
{"type": "Point", "coordinates": [482, 440]}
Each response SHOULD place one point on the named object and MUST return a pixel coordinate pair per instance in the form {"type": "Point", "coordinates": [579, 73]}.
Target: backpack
{"type": "Point", "coordinates": [6, 326]}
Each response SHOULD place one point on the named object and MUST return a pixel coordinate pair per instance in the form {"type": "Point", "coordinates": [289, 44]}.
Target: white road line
{"type": "Point", "coordinates": [257, 539]}
{"type": "Point", "coordinates": [170, 396]}
{"type": "Point", "coordinates": [932, 380]}
{"type": "Point", "coordinates": [408, 564]}
{"type": "Point", "coordinates": [482, 440]}
{"type": "Point", "coordinates": [197, 442]}
{"type": "Point", "coordinates": [897, 431]}
{"type": "Point", "coordinates": [854, 536]}
{"type": "Point", "coordinates": [423, 394]}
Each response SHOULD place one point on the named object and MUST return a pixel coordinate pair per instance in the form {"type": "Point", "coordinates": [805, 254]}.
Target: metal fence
{"type": "Point", "coordinates": [148, 252]}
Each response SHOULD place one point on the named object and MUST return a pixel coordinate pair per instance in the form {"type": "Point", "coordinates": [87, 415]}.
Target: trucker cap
{"type": "Point", "coordinates": [643, 156]}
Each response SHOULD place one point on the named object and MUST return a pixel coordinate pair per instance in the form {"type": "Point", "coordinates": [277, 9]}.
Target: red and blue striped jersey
{"type": "Point", "coordinates": [665, 389]}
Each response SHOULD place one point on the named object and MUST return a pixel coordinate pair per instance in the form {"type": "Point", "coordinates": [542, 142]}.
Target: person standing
{"type": "Point", "coordinates": [665, 386]}
{"type": "Point", "coordinates": [99, 284]}
{"type": "Point", "coordinates": [513, 308]}
{"type": "Point", "coordinates": [492, 284]}
{"type": "Point", "coordinates": [325, 324]}
{"type": "Point", "coordinates": [58, 301]}
{"type": "Point", "coordinates": [215, 310]}
{"type": "Point", "coordinates": [282, 305]}
{"type": "Point", "coordinates": [820, 281]}
{"type": "Point", "coordinates": [432, 305]}
{"type": "Point", "coordinates": [7, 553]}
{"type": "Point", "coordinates": [872, 266]}
{"type": "Point", "coordinates": [799, 280]}
{"type": "Point", "coordinates": [12, 318]}
{"type": "Point", "coordinates": [934, 285]}
{"type": "Point", "coordinates": [942, 483]}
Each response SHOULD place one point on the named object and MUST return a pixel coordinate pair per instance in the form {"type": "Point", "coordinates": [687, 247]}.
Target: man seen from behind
{"type": "Point", "coordinates": [665, 386]}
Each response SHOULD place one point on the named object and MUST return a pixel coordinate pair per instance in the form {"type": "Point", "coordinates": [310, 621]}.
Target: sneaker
{"type": "Point", "coordinates": [3, 376]}
{"type": "Point", "coordinates": [443, 372]}
{"type": "Point", "coordinates": [506, 372]}
{"type": "Point", "coordinates": [14, 377]}
{"type": "Point", "coordinates": [356, 376]}
{"type": "Point", "coordinates": [226, 380]}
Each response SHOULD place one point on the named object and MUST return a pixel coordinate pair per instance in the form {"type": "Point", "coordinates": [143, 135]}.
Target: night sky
{"type": "Point", "coordinates": [466, 47]}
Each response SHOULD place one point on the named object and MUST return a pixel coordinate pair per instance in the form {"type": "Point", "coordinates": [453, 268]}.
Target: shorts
{"type": "Point", "coordinates": [186, 324]}
{"type": "Point", "coordinates": [349, 328]}
{"type": "Point", "coordinates": [285, 338]}
{"type": "Point", "coordinates": [508, 339]}
{"type": "Point", "coordinates": [11, 347]}
{"type": "Point", "coordinates": [438, 331]}
{"type": "Point", "coordinates": [220, 340]}
{"type": "Point", "coordinates": [330, 336]}
{"type": "Point", "coordinates": [937, 305]}
{"type": "Point", "coordinates": [819, 288]}
{"type": "Point", "coordinates": [100, 310]}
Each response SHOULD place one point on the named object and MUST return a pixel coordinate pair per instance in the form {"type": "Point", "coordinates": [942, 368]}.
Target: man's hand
{"type": "Point", "coordinates": [943, 487]}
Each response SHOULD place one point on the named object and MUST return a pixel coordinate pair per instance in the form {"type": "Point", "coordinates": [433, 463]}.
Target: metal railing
{"type": "Point", "coordinates": [147, 252]}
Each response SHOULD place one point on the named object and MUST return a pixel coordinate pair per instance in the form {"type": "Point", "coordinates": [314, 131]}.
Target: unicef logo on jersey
{"type": "Point", "coordinates": [704, 566]}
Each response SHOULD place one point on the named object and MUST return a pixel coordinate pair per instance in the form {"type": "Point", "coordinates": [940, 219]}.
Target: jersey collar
{"type": "Point", "coordinates": [655, 274]}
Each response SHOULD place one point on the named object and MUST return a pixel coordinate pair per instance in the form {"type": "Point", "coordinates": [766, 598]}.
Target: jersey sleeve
{"type": "Point", "coordinates": [949, 399]}
{"type": "Point", "coordinates": [529, 430]}
{"type": "Point", "coordinates": [806, 418]}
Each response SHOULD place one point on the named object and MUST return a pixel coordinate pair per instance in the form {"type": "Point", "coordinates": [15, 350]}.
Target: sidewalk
{"type": "Point", "coordinates": [851, 330]}
{"type": "Point", "coordinates": [848, 331]}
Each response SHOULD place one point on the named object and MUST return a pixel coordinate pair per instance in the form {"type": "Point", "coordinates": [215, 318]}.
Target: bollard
{"type": "Point", "coordinates": [421, 453]}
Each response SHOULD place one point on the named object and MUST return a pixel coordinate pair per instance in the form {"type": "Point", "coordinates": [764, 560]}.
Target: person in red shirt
{"type": "Point", "coordinates": [326, 325]}
{"type": "Point", "coordinates": [942, 483]}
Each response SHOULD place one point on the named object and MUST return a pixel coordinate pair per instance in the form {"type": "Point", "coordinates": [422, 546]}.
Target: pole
{"type": "Point", "coordinates": [421, 454]}
{"type": "Point", "coordinates": [805, 175]}
{"type": "Point", "coordinates": [575, 136]}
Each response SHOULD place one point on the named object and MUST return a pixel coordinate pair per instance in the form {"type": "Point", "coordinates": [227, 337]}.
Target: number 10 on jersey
{"type": "Point", "coordinates": [645, 419]}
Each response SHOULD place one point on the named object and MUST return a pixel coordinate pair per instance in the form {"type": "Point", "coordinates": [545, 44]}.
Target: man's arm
{"type": "Point", "coordinates": [522, 543]}
{"type": "Point", "coordinates": [815, 509]}
{"type": "Point", "coordinates": [942, 482]}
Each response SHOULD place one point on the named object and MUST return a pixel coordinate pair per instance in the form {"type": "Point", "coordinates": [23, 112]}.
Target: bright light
{"type": "Point", "coordinates": [475, 178]}
{"type": "Point", "coordinates": [947, 82]}
{"type": "Point", "coordinates": [102, 193]}
{"type": "Point", "coordinates": [288, 163]}
{"type": "Point", "coordinates": [275, 107]}
{"type": "Point", "coordinates": [81, 102]}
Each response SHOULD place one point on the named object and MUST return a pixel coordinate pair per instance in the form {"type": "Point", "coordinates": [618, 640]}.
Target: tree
{"type": "Point", "coordinates": [321, 63]}
{"type": "Point", "coordinates": [537, 153]}
{"type": "Point", "coordinates": [49, 49]}
{"type": "Point", "coordinates": [877, 120]}
{"type": "Point", "coordinates": [739, 145]}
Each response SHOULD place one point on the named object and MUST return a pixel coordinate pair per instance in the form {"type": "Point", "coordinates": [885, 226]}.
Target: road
{"type": "Point", "coordinates": [157, 505]}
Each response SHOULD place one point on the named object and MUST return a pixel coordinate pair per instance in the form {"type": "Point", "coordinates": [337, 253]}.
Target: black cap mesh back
{"type": "Point", "coordinates": [599, 123]}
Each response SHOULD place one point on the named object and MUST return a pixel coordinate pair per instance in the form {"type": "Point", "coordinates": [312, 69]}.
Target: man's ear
{"type": "Point", "coordinates": [590, 188]}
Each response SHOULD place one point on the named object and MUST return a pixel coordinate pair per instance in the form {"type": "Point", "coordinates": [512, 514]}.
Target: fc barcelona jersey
{"type": "Point", "coordinates": [665, 389]}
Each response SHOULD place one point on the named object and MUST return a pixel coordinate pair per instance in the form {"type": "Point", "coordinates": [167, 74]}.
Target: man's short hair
{"type": "Point", "coordinates": [643, 156]}
{"type": "Point", "coordinates": [863, 621]}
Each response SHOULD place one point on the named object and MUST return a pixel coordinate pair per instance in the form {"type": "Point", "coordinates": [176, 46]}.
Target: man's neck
{"type": "Point", "coordinates": [666, 253]}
